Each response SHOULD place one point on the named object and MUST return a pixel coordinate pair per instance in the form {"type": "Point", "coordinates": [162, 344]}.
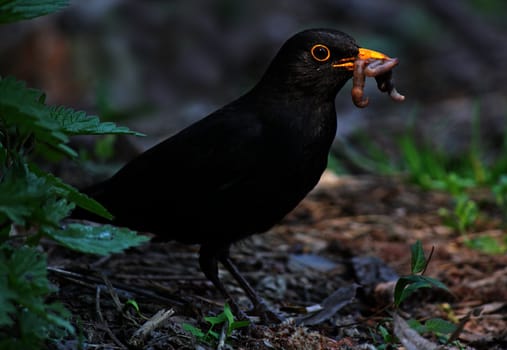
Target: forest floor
{"type": "Point", "coordinates": [342, 248]}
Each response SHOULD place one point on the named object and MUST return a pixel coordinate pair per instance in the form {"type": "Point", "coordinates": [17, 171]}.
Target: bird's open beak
{"type": "Point", "coordinates": [364, 54]}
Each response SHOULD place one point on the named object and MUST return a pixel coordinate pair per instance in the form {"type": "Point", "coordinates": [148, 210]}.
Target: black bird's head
{"type": "Point", "coordinates": [315, 62]}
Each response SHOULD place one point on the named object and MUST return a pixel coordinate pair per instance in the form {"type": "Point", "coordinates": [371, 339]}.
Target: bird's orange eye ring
{"type": "Point", "coordinates": [320, 52]}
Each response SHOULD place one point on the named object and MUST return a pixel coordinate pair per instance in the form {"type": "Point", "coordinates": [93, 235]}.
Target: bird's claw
{"type": "Point", "coordinates": [267, 315]}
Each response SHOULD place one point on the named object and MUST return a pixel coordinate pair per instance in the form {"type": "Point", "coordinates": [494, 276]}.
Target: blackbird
{"type": "Point", "coordinates": [241, 169]}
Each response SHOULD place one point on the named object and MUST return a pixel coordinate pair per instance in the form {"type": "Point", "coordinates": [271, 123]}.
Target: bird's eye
{"type": "Point", "coordinates": [320, 52]}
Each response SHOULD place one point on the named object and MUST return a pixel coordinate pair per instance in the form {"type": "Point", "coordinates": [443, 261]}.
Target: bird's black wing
{"type": "Point", "coordinates": [194, 180]}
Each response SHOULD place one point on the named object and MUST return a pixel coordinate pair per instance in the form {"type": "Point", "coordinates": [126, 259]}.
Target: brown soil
{"type": "Point", "coordinates": [350, 231]}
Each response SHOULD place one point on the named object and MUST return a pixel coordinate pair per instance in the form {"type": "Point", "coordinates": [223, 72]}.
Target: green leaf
{"type": "Point", "coordinates": [78, 123]}
{"type": "Point", "coordinates": [22, 108]}
{"type": "Point", "coordinates": [214, 320]}
{"type": "Point", "coordinates": [101, 240]}
{"type": "Point", "coordinates": [417, 326]}
{"type": "Point", "coordinates": [27, 274]}
{"type": "Point", "coordinates": [134, 304]}
{"type": "Point", "coordinates": [486, 244]}
{"type": "Point", "coordinates": [22, 195]}
{"type": "Point", "coordinates": [239, 324]}
{"type": "Point", "coordinates": [499, 189]}
{"type": "Point", "coordinates": [24, 287]}
{"type": "Point", "coordinates": [229, 317]}
{"type": "Point", "coordinates": [214, 335]}
{"type": "Point", "coordinates": [59, 317]}
{"type": "Point", "coordinates": [7, 297]}
{"type": "Point", "coordinates": [232, 324]}
{"type": "Point", "coordinates": [53, 211]}
{"type": "Point", "coordinates": [407, 285]}
{"type": "Point", "coordinates": [466, 211]}
{"type": "Point", "coordinates": [409, 289]}
{"type": "Point", "coordinates": [434, 282]}
{"type": "Point", "coordinates": [31, 199]}
{"type": "Point", "coordinates": [384, 333]}
{"type": "Point", "coordinates": [418, 259]}
{"type": "Point", "coordinates": [196, 332]}
{"type": "Point", "coordinates": [440, 326]}
{"type": "Point", "coordinates": [400, 286]}
{"type": "Point", "coordinates": [211, 335]}
{"type": "Point", "coordinates": [72, 194]}
{"type": "Point", "coordinates": [15, 10]}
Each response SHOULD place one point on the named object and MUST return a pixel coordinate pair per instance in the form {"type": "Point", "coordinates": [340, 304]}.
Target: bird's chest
{"type": "Point", "coordinates": [300, 170]}
{"type": "Point", "coordinates": [300, 156]}
{"type": "Point", "coordinates": [294, 168]}
{"type": "Point", "coordinates": [305, 144]}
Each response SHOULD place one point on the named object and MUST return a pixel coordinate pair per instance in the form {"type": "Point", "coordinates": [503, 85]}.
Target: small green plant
{"type": "Point", "coordinates": [499, 190]}
{"type": "Point", "coordinates": [132, 303]}
{"type": "Point", "coordinates": [407, 285]}
{"type": "Point", "coordinates": [212, 335]}
{"type": "Point", "coordinates": [26, 318]}
{"type": "Point", "coordinates": [32, 205]}
{"type": "Point", "coordinates": [463, 216]}
{"type": "Point", "coordinates": [440, 328]}
{"type": "Point", "coordinates": [388, 339]}
{"type": "Point", "coordinates": [33, 202]}
{"type": "Point", "coordinates": [424, 164]}
{"type": "Point", "coordinates": [487, 244]}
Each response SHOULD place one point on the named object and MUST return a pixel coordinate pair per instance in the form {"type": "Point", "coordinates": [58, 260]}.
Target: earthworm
{"type": "Point", "coordinates": [385, 83]}
{"type": "Point", "coordinates": [382, 71]}
{"type": "Point", "coordinates": [358, 84]}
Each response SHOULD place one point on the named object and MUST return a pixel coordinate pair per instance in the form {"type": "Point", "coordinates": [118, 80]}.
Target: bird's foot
{"type": "Point", "coordinates": [260, 311]}
{"type": "Point", "coordinates": [266, 314]}
{"type": "Point", "coordinates": [236, 310]}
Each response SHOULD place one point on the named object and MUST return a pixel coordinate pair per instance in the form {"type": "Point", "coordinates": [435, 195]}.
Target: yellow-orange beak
{"type": "Point", "coordinates": [364, 54]}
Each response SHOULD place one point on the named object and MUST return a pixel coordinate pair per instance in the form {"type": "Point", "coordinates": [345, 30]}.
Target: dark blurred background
{"type": "Point", "coordinates": [157, 66]}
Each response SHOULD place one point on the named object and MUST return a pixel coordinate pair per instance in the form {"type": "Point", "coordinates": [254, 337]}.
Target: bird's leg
{"type": "Point", "coordinates": [260, 307]}
{"type": "Point", "coordinates": [209, 266]}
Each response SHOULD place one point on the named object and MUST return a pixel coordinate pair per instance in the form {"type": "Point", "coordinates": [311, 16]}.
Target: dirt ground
{"type": "Point", "coordinates": [342, 248]}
